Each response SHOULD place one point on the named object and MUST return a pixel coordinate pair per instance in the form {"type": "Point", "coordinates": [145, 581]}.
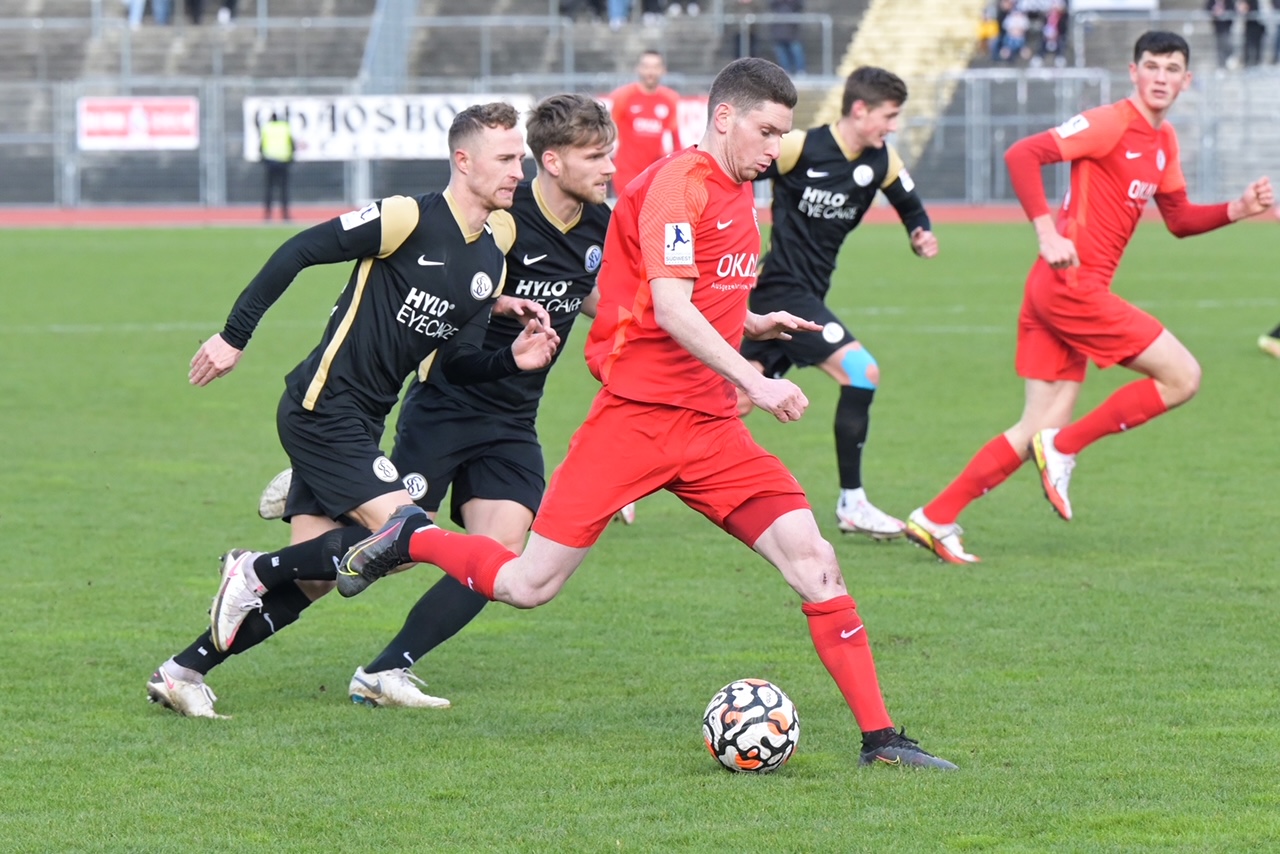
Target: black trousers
{"type": "Point", "coordinates": [277, 176]}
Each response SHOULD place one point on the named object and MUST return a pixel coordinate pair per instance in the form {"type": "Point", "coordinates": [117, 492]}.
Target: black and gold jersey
{"type": "Point", "coordinates": [821, 191]}
{"type": "Point", "coordinates": [552, 262]}
{"type": "Point", "coordinates": [421, 283]}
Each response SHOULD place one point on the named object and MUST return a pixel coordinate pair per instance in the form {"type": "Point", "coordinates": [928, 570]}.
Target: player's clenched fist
{"type": "Point", "coordinates": [1257, 197]}
{"type": "Point", "coordinates": [779, 397]}
{"type": "Point", "coordinates": [215, 358]}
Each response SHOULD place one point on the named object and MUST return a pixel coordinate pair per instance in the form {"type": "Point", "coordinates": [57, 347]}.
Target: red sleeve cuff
{"type": "Point", "coordinates": [1185, 219]}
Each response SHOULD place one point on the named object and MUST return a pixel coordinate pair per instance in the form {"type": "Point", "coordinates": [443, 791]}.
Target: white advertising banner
{"type": "Point", "coordinates": [366, 127]}
{"type": "Point", "coordinates": [138, 124]}
{"type": "Point", "coordinates": [1114, 5]}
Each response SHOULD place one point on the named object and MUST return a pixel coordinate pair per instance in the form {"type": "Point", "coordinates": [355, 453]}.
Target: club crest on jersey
{"type": "Point", "coordinates": [481, 285]}
{"type": "Point", "coordinates": [416, 485]}
{"type": "Point", "coordinates": [1160, 160]}
{"type": "Point", "coordinates": [592, 258]}
{"type": "Point", "coordinates": [832, 332]}
{"type": "Point", "coordinates": [385, 471]}
{"type": "Point", "coordinates": [862, 175]}
{"type": "Point", "coordinates": [677, 243]}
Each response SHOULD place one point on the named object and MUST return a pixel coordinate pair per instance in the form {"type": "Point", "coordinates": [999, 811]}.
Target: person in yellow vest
{"type": "Point", "coordinates": [276, 147]}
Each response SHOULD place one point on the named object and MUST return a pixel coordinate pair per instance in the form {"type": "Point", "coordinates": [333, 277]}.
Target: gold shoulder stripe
{"type": "Point", "coordinates": [424, 367]}
{"type": "Point", "coordinates": [339, 335]}
{"type": "Point", "coordinates": [399, 219]}
{"type": "Point", "coordinates": [502, 280]}
{"type": "Point", "coordinates": [895, 166]}
{"type": "Point", "coordinates": [503, 226]}
{"type": "Point", "coordinates": [792, 145]}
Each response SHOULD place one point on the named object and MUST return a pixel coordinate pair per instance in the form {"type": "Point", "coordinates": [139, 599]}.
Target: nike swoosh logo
{"type": "Point", "coordinates": [847, 635]}
{"type": "Point", "coordinates": [897, 760]}
{"type": "Point", "coordinates": [375, 687]}
{"type": "Point", "coordinates": [534, 260]}
{"type": "Point", "coordinates": [1132, 155]}
{"type": "Point", "coordinates": [721, 226]}
{"type": "Point", "coordinates": [336, 563]}
{"type": "Point", "coordinates": [422, 260]}
{"type": "Point", "coordinates": [814, 173]}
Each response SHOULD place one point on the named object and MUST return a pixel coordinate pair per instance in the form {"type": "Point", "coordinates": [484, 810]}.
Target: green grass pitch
{"type": "Point", "coordinates": [1105, 685]}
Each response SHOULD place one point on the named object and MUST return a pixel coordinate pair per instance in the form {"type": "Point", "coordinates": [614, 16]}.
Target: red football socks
{"type": "Point", "coordinates": [473, 560]}
{"type": "Point", "coordinates": [1130, 405]}
{"type": "Point", "coordinates": [841, 642]}
{"type": "Point", "coordinates": [989, 468]}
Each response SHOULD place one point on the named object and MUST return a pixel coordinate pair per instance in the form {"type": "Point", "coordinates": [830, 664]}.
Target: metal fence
{"type": "Point", "coordinates": [1228, 125]}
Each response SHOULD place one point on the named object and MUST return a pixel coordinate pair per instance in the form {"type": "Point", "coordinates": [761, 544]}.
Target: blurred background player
{"type": "Point", "coordinates": [1121, 155]}
{"type": "Point", "coordinates": [645, 113]}
{"type": "Point", "coordinates": [402, 303]}
{"type": "Point", "coordinates": [824, 181]}
{"type": "Point", "coordinates": [664, 346]}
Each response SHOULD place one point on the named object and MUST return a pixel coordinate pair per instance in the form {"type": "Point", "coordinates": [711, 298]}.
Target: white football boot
{"type": "Point", "coordinates": [856, 515]}
{"type": "Point", "coordinates": [397, 687]}
{"type": "Point", "coordinates": [187, 698]}
{"type": "Point", "coordinates": [239, 593]}
{"type": "Point", "coordinates": [1055, 471]}
{"type": "Point", "coordinates": [627, 515]}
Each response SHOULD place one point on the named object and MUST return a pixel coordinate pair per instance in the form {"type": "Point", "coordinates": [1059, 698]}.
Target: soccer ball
{"type": "Point", "coordinates": [750, 725]}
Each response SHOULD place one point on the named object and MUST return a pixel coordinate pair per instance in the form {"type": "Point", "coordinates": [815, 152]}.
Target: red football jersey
{"type": "Point", "coordinates": [1119, 162]}
{"type": "Point", "coordinates": [643, 119]}
{"type": "Point", "coordinates": [685, 219]}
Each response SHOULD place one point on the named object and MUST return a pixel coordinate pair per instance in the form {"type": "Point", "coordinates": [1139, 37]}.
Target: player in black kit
{"type": "Point", "coordinates": [427, 274]}
{"type": "Point", "coordinates": [823, 183]}
{"type": "Point", "coordinates": [481, 438]}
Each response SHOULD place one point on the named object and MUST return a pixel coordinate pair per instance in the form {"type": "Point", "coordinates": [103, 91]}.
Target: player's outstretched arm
{"type": "Point", "coordinates": [1184, 219]}
{"type": "Point", "coordinates": [214, 359]}
{"type": "Point", "coordinates": [777, 325]}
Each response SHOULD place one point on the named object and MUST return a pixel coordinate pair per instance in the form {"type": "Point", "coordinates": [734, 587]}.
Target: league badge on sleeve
{"type": "Point", "coordinates": [352, 219]}
{"type": "Point", "coordinates": [1072, 126]}
{"type": "Point", "coordinates": [678, 244]}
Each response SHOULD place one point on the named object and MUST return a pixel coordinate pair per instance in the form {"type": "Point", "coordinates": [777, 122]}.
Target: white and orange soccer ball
{"type": "Point", "coordinates": [750, 725]}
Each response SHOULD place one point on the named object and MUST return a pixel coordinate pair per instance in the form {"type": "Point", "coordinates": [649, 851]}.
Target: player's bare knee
{"type": "Point", "coordinates": [814, 572]}
{"type": "Point", "coordinates": [1185, 384]}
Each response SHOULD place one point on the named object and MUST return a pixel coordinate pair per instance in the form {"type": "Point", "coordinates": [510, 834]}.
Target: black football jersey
{"type": "Point", "coordinates": [821, 191]}
{"type": "Point", "coordinates": [552, 262]}
{"type": "Point", "coordinates": [420, 283]}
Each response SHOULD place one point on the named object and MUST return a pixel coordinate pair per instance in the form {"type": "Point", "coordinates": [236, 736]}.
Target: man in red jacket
{"type": "Point", "coordinates": [1121, 155]}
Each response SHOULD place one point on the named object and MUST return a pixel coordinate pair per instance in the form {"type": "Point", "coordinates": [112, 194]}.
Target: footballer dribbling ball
{"type": "Point", "coordinates": [750, 725]}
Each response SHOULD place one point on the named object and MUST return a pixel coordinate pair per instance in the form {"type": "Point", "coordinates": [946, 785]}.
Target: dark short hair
{"type": "Point", "coordinates": [873, 87]}
{"type": "Point", "coordinates": [745, 84]}
{"type": "Point", "coordinates": [470, 122]}
{"type": "Point", "coordinates": [567, 121]}
{"type": "Point", "coordinates": [652, 52]}
{"type": "Point", "coordinates": [1161, 43]}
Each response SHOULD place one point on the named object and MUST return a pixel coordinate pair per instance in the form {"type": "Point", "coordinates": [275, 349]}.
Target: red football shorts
{"type": "Point", "coordinates": [626, 450]}
{"type": "Point", "coordinates": [1067, 319]}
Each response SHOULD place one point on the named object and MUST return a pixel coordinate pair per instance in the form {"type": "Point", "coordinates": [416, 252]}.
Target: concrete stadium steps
{"type": "Point", "coordinates": [47, 54]}
{"type": "Point", "coordinates": [229, 51]}
{"type": "Point", "coordinates": [922, 42]}
{"type": "Point", "coordinates": [1108, 41]}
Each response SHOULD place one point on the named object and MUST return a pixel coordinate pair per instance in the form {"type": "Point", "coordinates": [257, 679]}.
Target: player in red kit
{"type": "Point", "coordinates": [645, 113]}
{"type": "Point", "coordinates": [679, 262]}
{"type": "Point", "coordinates": [1121, 155]}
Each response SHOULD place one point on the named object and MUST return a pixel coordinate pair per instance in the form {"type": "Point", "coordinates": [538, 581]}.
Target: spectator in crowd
{"type": "Point", "coordinates": [787, 47]}
{"type": "Point", "coordinates": [619, 14]}
{"type": "Point", "coordinates": [1254, 29]}
{"type": "Point", "coordinates": [1223, 15]}
{"type": "Point", "coordinates": [1053, 35]}
{"type": "Point", "coordinates": [195, 11]}
{"type": "Point", "coordinates": [276, 147]}
{"type": "Point", "coordinates": [1013, 41]}
{"type": "Point", "coordinates": [227, 12]}
{"type": "Point", "coordinates": [161, 10]}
